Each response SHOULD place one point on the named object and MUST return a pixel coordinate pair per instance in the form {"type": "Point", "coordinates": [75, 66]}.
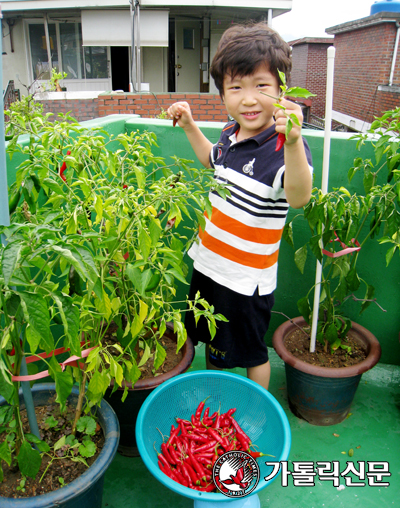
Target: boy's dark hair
{"type": "Point", "coordinates": [243, 48]}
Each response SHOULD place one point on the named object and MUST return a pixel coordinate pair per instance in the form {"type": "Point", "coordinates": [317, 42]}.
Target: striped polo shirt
{"type": "Point", "coordinates": [240, 244]}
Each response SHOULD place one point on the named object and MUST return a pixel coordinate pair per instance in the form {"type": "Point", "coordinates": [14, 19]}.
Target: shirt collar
{"type": "Point", "coordinates": [259, 138]}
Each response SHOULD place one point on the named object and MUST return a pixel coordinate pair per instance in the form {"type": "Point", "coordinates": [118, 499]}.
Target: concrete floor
{"type": "Point", "coordinates": [372, 430]}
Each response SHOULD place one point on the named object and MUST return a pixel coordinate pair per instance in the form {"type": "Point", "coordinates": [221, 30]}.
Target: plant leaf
{"type": "Point", "coordinates": [87, 425]}
{"type": "Point", "coordinates": [159, 356]}
{"type": "Point", "coordinates": [300, 257]}
{"type": "Point", "coordinates": [64, 382]}
{"type": "Point", "coordinates": [10, 259]}
{"type": "Point", "coordinates": [304, 308]}
{"type": "Point", "coordinates": [37, 314]}
{"type": "Point", "coordinates": [29, 460]}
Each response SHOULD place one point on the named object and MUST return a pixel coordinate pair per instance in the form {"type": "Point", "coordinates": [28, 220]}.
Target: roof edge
{"type": "Point", "coordinates": [375, 19]}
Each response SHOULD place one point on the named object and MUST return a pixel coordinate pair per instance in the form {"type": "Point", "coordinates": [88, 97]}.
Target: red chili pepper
{"type": "Point", "coordinates": [199, 410]}
{"type": "Point", "coordinates": [125, 186]}
{"type": "Point", "coordinates": [163, 460]}
{"type": "Point", "coordinates": [214, 434]}
{"type": "Point", "coordinates": [280, 141]}
{"type": "Point", "coordinates": [181, 479]}
{"type": "Point", "coordinates": [217, 421]}
{"type": "Point", "coordinates": [190, 473]}
{"type": "Point", "coordinates": [196, 466]}
{"type": "Point", "coordinates": [174, 122]}
{"type": "Point", "coordinates": [63, 168]}
{"type": "Point", "coordinates": [185, 474]}
{"type": "Point", "coordinates": [241, 435]}
{"type": "Point", "coordinates": [184, 432]}
{"type": "Point", "coordinates": [256, 455]}
{"type": "Point", "coordinates": [206, 447]}
{"type": "Point", "coordinates": [174, 433]}
{"type": "Point", "coordinates": [166, 454]}
{"type": "Point", "coordinates": [208, 488]}
{"type": "Point", "coordinates": [204, 460]}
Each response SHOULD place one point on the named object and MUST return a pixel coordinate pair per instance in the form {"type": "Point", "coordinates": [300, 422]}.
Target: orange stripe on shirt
{"type": "Point", "coordinates": [241, 257]}
{"type": "Point", "coordinates": [249, 233]}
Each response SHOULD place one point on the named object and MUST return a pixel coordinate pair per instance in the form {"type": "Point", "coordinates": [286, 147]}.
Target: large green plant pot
{"type": "Point", "coordinates": [87, 490]}
{"type": "Point", "coordinates": [128, 410]}
{"type": "Point", "coordinates": [323, 395]}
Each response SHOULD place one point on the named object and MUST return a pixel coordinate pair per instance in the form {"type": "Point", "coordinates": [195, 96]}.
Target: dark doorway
{"type": "Point", "coordinates": [120, 68]}
{"type": "Point", "coordinates": [171, 56]}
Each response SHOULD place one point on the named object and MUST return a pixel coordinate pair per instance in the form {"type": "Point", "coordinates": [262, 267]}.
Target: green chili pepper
{"type": "Point", "coordinates": [57, 319]}
{"type": "Point", "coordinates": [13, 201]}
{"type": "Point", "coordinates": [36, 182]}
{"type": "Point", "coordinates": [74, 282]}
{"type": "Point", "coordinates": [154, 281]}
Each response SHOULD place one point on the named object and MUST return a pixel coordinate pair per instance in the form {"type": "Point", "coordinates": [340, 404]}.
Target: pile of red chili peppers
{"type": "Point", "coordinates": [189, 454]}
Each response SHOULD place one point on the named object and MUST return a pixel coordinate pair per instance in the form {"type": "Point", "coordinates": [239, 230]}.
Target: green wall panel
{"type": "Point", "coordinates": [292, 285]}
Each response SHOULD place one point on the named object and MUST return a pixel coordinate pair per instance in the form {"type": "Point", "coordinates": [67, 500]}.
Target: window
{"type": "Point", "coordinates": [40, 62]}
{"type": "Point", "coordinates": [66, 51]}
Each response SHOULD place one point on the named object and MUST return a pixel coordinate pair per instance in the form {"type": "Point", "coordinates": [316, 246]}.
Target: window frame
{"type": "Point", "coordinates": [38, 82]}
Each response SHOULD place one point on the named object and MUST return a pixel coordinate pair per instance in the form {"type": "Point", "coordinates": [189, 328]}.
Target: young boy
{"type": "Point", "coordinates": [235, 259]}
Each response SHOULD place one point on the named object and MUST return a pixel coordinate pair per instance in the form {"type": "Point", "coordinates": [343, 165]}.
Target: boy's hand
{"type": "Point", "coordinates": [281, 119]}
{"type": "Point", "coordinates": [180, 112]}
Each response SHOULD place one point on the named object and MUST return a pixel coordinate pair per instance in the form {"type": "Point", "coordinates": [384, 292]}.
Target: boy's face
{"type": "Point", "coordinates": [244, 102]}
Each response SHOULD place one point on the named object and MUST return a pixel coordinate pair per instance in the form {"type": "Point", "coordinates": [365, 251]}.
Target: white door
{"type": "Point", "coordinates": [187, 56]}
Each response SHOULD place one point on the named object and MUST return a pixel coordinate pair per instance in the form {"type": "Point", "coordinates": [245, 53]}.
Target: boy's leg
{"type": "Point", "coordinates": [260, 374]}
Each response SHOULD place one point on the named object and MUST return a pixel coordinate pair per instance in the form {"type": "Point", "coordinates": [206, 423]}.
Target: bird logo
{"type": "Point", "coordinates": [236, 474]}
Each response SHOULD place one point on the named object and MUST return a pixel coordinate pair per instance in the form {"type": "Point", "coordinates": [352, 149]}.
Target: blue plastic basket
{"type": "Point", "coordinates": [257, 412]}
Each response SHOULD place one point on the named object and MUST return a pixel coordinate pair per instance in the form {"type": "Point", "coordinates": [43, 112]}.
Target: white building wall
{"type": "Point", "coordinates": [155, 68]}
{"type": "Point", "coordinates": [15, 65]}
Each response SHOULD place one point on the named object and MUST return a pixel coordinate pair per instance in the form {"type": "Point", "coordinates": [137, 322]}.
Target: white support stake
{"type": "Point", "coordinates": [324, 183]}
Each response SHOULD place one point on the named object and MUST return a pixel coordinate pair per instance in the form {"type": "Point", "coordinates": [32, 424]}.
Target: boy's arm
{"type": "Point", "coordinates": [180, 111]}
{"type": "Point", "coordinates": [298, 180]}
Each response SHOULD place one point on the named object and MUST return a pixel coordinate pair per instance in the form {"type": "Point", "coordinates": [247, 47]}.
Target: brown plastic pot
{"type": "Point", "coordinates": [323, 395]}
{"type": "Point", "coordinates": [128, 410]}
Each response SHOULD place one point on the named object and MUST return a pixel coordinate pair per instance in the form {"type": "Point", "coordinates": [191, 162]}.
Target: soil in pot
{"type": "Point", "coordinates": [171, 360]}
{"type": "Point", "coordinates": [62, 470]}
{"type": "Point", "coordinates": [298, 344]}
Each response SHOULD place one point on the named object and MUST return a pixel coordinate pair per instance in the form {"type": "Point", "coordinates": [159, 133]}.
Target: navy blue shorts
{"type": "Point", "coordinates": [240, 341]}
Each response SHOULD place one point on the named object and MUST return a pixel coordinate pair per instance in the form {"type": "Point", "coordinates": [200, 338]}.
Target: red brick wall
{"type": "Point", "coordinates": [204, 106]}
{"type": "Point", "coordinates": [80, 109]}
{"type": "Point", "coordinates": [299, 65]}
{"type": "Point", "coordinates": [363, 61]}
{"type": "Point", "coordinates": [309, 71]}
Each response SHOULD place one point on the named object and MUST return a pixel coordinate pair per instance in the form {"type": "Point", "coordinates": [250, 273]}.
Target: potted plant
{"type": "Point", "coordinates": [118, 221]}
{"type": "Point", "coordinates": [40, 318]}
{"type": "Point", "coordinates": [341, 224]}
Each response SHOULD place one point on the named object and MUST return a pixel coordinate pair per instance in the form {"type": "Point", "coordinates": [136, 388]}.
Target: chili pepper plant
{"type": "Point", "coordinates": [99, 228]}
{"type": "Point", "coordinates": [343, 223]}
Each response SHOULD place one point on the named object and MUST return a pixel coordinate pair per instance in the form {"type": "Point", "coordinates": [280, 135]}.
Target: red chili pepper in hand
{"type": "Point", "coordinates": [280, 141]}
{"type": "Point", "coordinates": [63, 168]}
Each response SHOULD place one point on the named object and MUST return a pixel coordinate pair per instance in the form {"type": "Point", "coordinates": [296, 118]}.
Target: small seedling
{"type": "Point", "coordinates": [293, 93]}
